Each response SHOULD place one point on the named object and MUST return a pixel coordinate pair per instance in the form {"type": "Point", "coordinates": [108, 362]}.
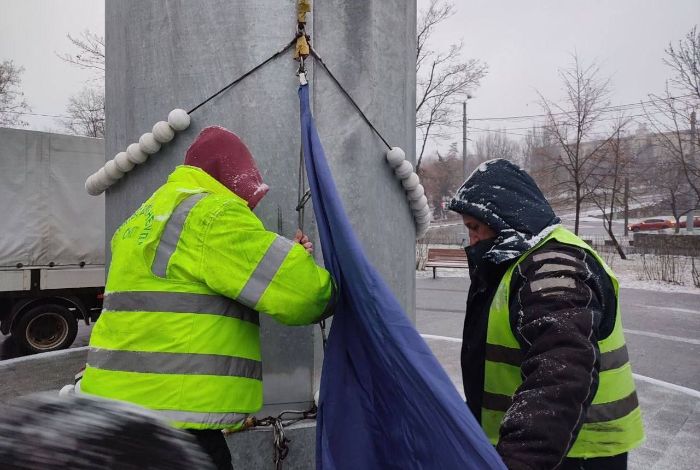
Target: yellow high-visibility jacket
{"type": "Point", "coordinates": [179, 331]}
{"type": "Point", "coordinates": [613, 424]}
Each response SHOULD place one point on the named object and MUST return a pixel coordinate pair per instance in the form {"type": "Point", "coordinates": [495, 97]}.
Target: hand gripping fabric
{"type": "Point", "coordinates": [385, 401]}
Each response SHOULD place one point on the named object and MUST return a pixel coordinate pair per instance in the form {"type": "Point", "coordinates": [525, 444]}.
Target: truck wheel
{"type": "Point", "coordinates": [45, 328]}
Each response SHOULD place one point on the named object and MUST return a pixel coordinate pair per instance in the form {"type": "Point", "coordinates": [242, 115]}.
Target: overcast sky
{"type": "Point", "coordinates": [523, 42]}
{"type": "Point", "coordinates": [31, 32]}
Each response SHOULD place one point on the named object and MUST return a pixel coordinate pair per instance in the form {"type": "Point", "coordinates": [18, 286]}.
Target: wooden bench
{"type": "Point", "coordinates": [446, 258]}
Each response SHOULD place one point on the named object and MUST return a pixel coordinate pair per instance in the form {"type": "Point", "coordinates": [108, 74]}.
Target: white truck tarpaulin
{"type": "Point", "coordinates": [45, 214]}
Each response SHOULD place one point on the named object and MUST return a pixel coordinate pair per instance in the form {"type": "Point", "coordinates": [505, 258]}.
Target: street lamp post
{"type": "Point", "coordinates": [465, 164]}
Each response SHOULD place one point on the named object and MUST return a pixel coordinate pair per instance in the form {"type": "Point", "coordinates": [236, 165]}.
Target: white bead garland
{"type": "Point", "coordinates": [138, 152]}
{"type": "Point", "coordinates": [411, 182]}
{"type": "Point", "coordinates": [103, 180]}
{"type": "Point", "coordinates": [424, 211]}
{"type": "Point", "coordinates": [148, 144]}
{"type": "Point", "coordinates": [162, 132]}
{"type": "Point", "coordinates": [423, 201]}
{"type": "Point", "coordinates": [91, 186]}
{"type": "Point", "coordinates": [122, 161]}
{"type": "Point", "coordinates": [395, 156]}
{"type": "Point", "coordinates": [403, 170]}
{"type": "Point", "coordinates": [178, 119]}
{"type": "Point", "coordinates": [415, 192]}
{"type": "Point", "coordinates": [135, 154]}
{"type": "Point", "coordinates": [112, 171]}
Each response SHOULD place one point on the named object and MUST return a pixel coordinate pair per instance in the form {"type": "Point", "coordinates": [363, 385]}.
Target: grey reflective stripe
{"type": "Point", "coordinates": [614, 359]}
{"type": "Point", "coordinates": [552, 282]}
{"type": "Point", "coordinates": [174, 363]}
{"type": "Point", "coordinates": [552, 268]}
{"type": "Point", "coordinates": [496, 353]}
{"type": "Point", "coordinates": [229, 419]}
{"type": "Point", "coordinates": [596, 413]}
{"type": "Point", "coordinates": [178, 302]}
{"type": "Point", "coordinates": [265, 271]}
{"type": "Point", "coordinates": [553, 255]}
{"type": "Point", "coordinates": [171, 234]}
{"type": "Point", "coordinates": [614, 410]}
{"type": "Point", "coordinates": [608, 360]}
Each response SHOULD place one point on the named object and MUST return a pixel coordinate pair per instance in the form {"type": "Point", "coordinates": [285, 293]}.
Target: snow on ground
{"type": "Point", "coordinates": [443, 272]}
{"type": "Point", "coordinates": [630, 273]}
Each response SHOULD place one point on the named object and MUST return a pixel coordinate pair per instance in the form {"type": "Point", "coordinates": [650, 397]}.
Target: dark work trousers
{"type": "Point", "coordinates": [616, 462]}
{"type": "Point", "coordinates": [214, 445]}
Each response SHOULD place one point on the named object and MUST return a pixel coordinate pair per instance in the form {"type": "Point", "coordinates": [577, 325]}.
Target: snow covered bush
{"type": "Point", "coordinates": [664, 267]}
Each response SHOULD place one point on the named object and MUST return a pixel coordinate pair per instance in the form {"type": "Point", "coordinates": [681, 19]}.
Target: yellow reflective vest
{"type": "Point", "coordinates": [613, 424]}
{"type": "Point", "coordinates": [179, 331]}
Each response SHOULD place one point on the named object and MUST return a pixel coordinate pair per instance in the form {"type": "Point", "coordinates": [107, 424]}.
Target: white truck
{"type": "Point", "coordinates": [52, 236]}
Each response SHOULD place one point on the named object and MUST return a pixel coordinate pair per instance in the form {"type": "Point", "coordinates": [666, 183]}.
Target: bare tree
{"type": "Point", "coordinates": [684, 60]}
{"type": "Point", "coordinates": [538, 155]}
{"type": "Point", "coordinates": [572, 123]}
{"type": "Point", "coordinates": [670, 118]}
{"type": "Point", "coordinates": [87, 111]}
{"type": "Point", "coordinates": [673, 118]}
{"type": "Point", "coordinates": [90, 55]}
{"type": "Point", "coordinates": [535, 141]}
{"type": "Point", "coordinates": [12, 102]}
{"type": "Point", "coordinates": [495, 144]}
{"type": "Point", "coordinates": [443, 78]}
{"type": "Point", "coordinates": [606, 182]}
{"type": "Point", "coordinates": [87, 108]}
{"type": "Point", "coordinates": [442, 176]}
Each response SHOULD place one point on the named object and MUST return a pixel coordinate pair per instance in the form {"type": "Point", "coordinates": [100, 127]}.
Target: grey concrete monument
{"type": "Point", "coordinates": [173, 54]}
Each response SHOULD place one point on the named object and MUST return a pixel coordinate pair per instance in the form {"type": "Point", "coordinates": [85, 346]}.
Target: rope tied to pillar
{"type": "Point", "coordinates": [179, 120]}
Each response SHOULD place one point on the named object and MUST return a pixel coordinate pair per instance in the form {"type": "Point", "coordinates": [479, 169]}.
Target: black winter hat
{"type": "Point", "coordinates": [505, 197]}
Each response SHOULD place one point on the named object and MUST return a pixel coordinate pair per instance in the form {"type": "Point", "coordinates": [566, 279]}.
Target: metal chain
{"type": "Point", "coordinates": [278, 423]}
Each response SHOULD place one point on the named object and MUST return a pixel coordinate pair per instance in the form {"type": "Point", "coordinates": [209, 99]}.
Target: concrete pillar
{"type": "Point", "coordinates": [167, 54]}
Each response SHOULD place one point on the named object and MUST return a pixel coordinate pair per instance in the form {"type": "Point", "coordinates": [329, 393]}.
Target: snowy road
{"type": "Point", "coordinates": [662, 329]}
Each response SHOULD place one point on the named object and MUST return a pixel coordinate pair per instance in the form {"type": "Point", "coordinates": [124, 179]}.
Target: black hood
{"type": "Point", "coordinates": [506, 198]}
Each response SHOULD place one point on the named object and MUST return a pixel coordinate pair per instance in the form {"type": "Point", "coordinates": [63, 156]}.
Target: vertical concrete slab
{"type": "Point", "coordinates": [165, 54]}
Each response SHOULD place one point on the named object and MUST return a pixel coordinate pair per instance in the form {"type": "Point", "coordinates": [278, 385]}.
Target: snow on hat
{"type": "Point", "coordinates": [224, 156]}
{"type": "Point", "coordinates": [502, 195]}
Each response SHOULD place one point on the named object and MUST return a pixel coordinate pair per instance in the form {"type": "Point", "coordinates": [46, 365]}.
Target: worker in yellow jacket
{"type": "Point", "coordinates": [190, 271]}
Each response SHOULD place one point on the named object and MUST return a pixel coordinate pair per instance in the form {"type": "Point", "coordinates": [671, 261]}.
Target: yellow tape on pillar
{"type": "Point", "coordinates": [302, 48]}
{"type": "Point", "coordinates": [303, 7]}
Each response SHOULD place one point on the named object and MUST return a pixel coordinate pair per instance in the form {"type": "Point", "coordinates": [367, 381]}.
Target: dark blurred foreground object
{"type": "Point", "coordinates": [47, 432]}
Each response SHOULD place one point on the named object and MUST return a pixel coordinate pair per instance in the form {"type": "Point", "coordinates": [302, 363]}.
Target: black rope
{"type": "Point", "coordinates": [242, 77]}
{"type": "Point", "coordinates": [330, 74]}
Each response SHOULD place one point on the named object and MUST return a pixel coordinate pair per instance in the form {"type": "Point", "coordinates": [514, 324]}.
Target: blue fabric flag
{"type": "Point", "coordinates": [385, 401]}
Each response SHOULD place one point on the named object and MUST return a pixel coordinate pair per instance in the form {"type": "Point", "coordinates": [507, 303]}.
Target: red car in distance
{"type": "Point", "coordinates": [651, 224]}
{"type": "Point", "coordinates": [682, 222]}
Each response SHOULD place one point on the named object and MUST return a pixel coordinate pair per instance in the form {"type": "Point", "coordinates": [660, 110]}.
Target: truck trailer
{"type": "Point", "coordinates": [52, 237]}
